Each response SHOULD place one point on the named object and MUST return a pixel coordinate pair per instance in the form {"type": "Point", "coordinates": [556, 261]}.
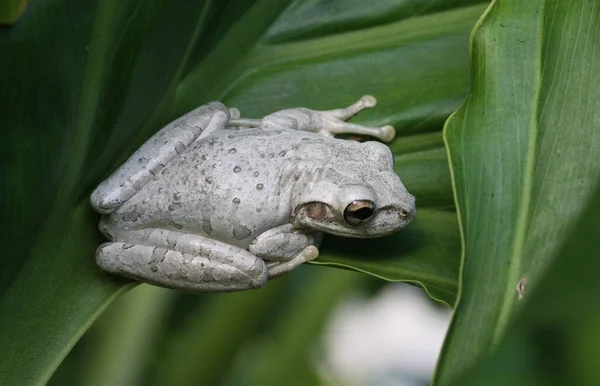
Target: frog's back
{"type": "Point", "coordinates": [230, 186]}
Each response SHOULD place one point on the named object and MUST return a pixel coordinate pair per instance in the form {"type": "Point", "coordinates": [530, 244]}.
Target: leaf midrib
{"type": "Point", "coordinates": [514, 270]}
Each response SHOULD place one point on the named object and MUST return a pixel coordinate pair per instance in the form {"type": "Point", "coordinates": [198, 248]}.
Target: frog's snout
{"type": "Point", "coordinates": [408, 213]}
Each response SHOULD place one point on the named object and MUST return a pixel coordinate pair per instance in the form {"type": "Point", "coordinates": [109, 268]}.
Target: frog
{"type": "Point", "coordinates": [214, 202]}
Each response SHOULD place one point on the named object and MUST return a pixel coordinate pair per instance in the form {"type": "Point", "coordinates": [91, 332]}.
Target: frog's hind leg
{"type": "Point", "coordinates": [182, 261]}
{"type": "Point", "coordinates": [156, 153]}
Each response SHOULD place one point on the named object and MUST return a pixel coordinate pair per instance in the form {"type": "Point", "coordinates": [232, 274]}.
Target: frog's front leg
{"type": "Point", "coordinates": [285, 248]}
{"type": "Point", "coordinates": [277, 268]}
{"type": "Point", "coordinates": [327, 123]}
{"type": "Point", "coordinates": [283, 242]}
{"type": "Point", "coordinates": [156, 153]}
{"type": "Point", "coordinates": [182, 261]}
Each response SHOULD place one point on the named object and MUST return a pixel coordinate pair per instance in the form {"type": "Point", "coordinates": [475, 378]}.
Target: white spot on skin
{"type": "Point", "coordinates": [521, 287]}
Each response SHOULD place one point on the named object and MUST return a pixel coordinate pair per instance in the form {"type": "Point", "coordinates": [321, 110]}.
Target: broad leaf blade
{"type": "Point", "coordinates": [66, 80]}
{"type": "Point", "coordinates": [524, 156]}
{"type": "Point", "coordinates": [555, 340]}
{"type": "Point", "coordinates": [307, 19]}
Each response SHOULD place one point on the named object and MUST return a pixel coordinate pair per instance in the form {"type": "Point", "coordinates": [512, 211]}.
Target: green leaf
{"type": "Point", "coordinates": [73, 70]}
{"type": "Point", "coordinates": [85, 83]}
{"type": "Point", "coordinates": [12, 10]}
{"type": "Point", "coordinates": [524, 157]}
{"type": "Point", "coordinates": [555, 339]}
{"type": "Point", "coordinates": [428, 255]}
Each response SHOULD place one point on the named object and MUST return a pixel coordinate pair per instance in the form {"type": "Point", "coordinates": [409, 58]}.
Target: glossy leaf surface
{"type": "Point", "coordinates": [524, 156]}
{"type": "Point", "coordinates": [555, 339]}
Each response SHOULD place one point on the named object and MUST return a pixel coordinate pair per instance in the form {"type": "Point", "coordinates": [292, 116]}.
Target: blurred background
{"type": "Point", "coordinates": [316, 326]}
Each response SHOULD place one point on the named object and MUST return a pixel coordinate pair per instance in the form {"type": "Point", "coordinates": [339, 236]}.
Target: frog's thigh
{"type": "Point", "coordinates": [283, 243]}
{"type": "Point", "coordinates": [156, 153]}
{"type": "Point", "coordinates": [183, 261]}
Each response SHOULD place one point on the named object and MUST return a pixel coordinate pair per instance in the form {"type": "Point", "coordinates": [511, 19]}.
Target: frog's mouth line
{"type": "Point", "coordinates": [321, 217]}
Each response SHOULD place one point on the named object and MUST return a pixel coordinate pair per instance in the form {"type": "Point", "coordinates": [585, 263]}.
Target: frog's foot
{"type": "Point", "coordinates": [326, 123]}
{"type": "Point", "coordinates": [283, 243]}
{"type": "Point", "coordinates": [365, 102]}
{"type": "Point", "coordinates": [277, 268]}
{"type": "Point", "coordinates": [385, 133]}
{"type": "Point", "coordinates": [333, 122]}
{"type": "Point", "coordinates": [182, 261]}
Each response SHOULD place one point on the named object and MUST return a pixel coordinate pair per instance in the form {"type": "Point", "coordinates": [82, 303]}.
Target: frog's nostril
{"type": "Point", "coordinates": [407, 213]}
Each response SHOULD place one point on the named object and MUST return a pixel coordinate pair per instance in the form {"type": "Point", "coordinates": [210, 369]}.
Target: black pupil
{"type": "Point", "coordinates": [362, 213]}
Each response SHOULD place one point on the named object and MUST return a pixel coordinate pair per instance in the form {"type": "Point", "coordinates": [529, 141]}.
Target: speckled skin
{"type": "Point", "coordinates": [203, 206]}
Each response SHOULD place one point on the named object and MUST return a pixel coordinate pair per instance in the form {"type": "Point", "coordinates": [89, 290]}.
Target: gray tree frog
{"type": "Point", "coordinates": [213, 202]}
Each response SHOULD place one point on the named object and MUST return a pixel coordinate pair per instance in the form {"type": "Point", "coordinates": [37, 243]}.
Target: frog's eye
{"type": "Point", "coordinates": [359, 211]}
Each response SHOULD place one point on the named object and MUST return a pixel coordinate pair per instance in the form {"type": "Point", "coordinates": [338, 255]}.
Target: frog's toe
{"type": "Point", "coordinates": [310, 253]}
{"type": "Point", "coordinates": [387, 133]}
{"type": "Point", "coordinates": [234, 113]}
{"type": "Point", "coordinates": [368, 100]}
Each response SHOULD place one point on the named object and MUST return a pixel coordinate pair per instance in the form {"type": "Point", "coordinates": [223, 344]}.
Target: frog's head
{"type": "Point", "coordinates": [358, 195]}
